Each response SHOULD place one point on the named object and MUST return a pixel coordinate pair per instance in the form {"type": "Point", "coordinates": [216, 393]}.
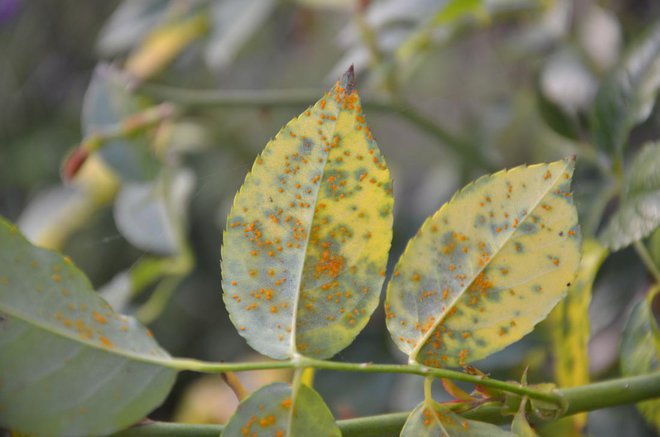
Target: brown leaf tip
{"type": "Point", "coordinates": [348, 80]}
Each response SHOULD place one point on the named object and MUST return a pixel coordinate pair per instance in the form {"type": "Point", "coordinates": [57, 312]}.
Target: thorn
{"type": "Point", "coordinates": [348, 80]}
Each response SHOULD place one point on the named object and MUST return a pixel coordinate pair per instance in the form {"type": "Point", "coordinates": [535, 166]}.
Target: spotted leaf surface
{"type": "Point", "coordinates": [307, 238]}
{"type": "Point", "coordinates": [272, 411]}
{"type": "Point", "coordinates": [640, 350]}
{"type": "Point", "coordinates": [426, 421]}
{"type": "Point", "coordinates": [486, 267]}
{"type": "Point", "coordinates": [69, 365]}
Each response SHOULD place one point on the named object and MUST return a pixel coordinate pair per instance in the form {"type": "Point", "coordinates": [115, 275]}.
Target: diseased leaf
{"type": "Point", "coordinates": [306, 244]}
{"type": "Point", "coordinates": [486, 267]}
{"type": "Point", "coordinates": [640, 350]}
{"type": "Point", "coordinates": [628, 94]}
{"type": "Point", "coordinates": [69, 365]}
{"type": "Point", "coordinates": [569, 325]}
{"type": "Point", "coordinates": [426, 421]}
{"type": "Point", "coordinates": [639, 212]}
{"type": "Point", "coordinates": [273, 411]}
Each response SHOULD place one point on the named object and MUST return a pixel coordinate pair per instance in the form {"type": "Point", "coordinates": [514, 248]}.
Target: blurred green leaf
{"type": "Point", "coordinates": [640, 349]}
{"type": "Point", "coordinates": [233, 22]}
{"type": "Point", "coordinates": [627, 95]}
{"type": "Point", "coordinates": [69, 364]}
{"type": "Point", "coordinates": [275, 411]}
{"type": "Point", "coordinates": [152, 215]}
{"type": "Point", "coordinates": [639, 212]}
{"type": "Point", "coordinates": [129, 24]}
{"type": "Point", "coordinates": [107, 102]}
{"type": "Point", "coordinates": [427, 421]}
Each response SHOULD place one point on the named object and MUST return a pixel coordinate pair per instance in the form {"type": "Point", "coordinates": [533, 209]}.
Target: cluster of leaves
{"type": "Point", "coordinates": [304, 259]}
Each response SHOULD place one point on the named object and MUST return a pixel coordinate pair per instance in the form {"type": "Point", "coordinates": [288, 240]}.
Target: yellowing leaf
{"type": "Point", "coordinates": [307, 238]}
{"type": "Point", "coordinates": [569, 325]}
{"type": "Point", "coordinates": [486, 267]}
{"type": "Point", "coordinates": [426, 421]}
{"type": "Point", "coordinates": [163, 45]}
{"type": "Point", "coordinates": [275, 412]}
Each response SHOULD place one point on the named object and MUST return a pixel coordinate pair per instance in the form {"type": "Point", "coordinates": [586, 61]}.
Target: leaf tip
{"type": "Point", "coordinates": [348, 79]}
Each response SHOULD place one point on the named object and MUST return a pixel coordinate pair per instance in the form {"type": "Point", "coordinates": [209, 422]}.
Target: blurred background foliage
{"type": "Point", "coordinates": [153, 111]}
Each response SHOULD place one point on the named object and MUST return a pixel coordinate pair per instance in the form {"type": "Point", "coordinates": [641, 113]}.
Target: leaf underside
{"type": "Point", "coordinates": [307, 238]}
{"type": "Point", "coordinates": [486, 267]}
{"type": "Point", "coordinates": [268, 412]}
{"type": "Point", "coordinates": [69, 365]}
{"type": "Point", "coordinates": [426, 421]}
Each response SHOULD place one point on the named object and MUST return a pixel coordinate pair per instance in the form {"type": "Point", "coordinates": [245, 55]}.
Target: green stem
{"type": "Point", "coordinates": [304, 362]}
{"type": "Point", "coordinates": [297, 98]}
{"type": "Point", "coordinates": [646, 258]}
{"type": "Point", "coordinates": [579, 399]}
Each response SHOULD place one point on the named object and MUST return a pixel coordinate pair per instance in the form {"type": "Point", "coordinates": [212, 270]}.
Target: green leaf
{"type": "Point", "coordinates": [639, 212]}
{"type": "Point", "coordinates": [269, 412]}
{"type": "Point", "coordinates": [305, 250]}
{"type": "Point", "coordinates": [69, 365]}
{"type": "Point", "coordinates": [640, 349]}
{"type": "Point", "coordinates": [234, 22]}
{"type": "Point", "coordinates": [152, 215]}
{"type": "Point", "coordinates": [107, 102]}
{"type": "Point", "coordinates": [486, 267]}
{"type": "Point", "coordinates": [626, 97]}
{"type": "Point", "coordinates": [427, 421]}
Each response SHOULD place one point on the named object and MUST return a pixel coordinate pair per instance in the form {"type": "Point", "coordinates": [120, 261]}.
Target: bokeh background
{"type": "Point", "coordinates": [483, 86]}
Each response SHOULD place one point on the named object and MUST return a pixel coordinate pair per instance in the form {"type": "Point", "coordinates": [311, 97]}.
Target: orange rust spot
{"type": "Point", "coordinates": [99, 318]}
{"type": "Point", "coordinates": [105, 342]}
{"type": "Point", "coordinates": [547, 175]}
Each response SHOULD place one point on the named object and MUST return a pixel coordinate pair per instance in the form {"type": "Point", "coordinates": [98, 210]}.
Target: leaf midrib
{"type": "Point", "coordinates": [61, 333]}
{"type": "Point", "coordinates": [298, 289]}
{"type": "Point", "coordinates": [427, 334]}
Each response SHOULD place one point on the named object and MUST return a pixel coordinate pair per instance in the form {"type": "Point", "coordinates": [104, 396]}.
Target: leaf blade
{"type": "Point", "coordinates": [306, 243]}
{"type": "Point", "coordinates": [70, 366]}
{"type": "Point", "coordinates": [455, 284]}
{"type": "Point", "coordinates": [628, 94]}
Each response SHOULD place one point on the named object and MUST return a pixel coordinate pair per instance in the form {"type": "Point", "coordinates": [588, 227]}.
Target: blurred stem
{"type": "Point", "coordinates": [297, 98]}
{"type": "Point", "coordinates": [578, 399]}
{"type": "Point", "coordinates": [131, 125]}
{"type": "Point", "coordinates": [157, 302]}
{"type": "Point", "coordinates": [646, 258]}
